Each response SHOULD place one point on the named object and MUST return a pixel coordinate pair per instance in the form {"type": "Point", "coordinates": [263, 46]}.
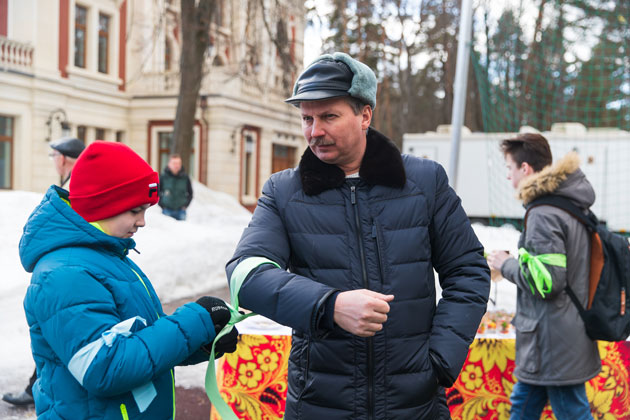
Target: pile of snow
{"type": "Point", "coordinates": [185, 258]}
{"type": "Point", "coordinates": [504, 238]}
{"type": "Point", "coordinates": [181, 259]}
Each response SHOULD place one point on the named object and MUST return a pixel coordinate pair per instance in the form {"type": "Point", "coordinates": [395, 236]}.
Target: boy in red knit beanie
{"type": "Point", "coordinates": [103, 347]}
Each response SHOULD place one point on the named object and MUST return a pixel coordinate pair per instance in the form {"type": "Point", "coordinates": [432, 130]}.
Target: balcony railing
{"type": "Point", "coordinates": [157, 83]}
{"type": "Point", "coordinates": [15, 55]}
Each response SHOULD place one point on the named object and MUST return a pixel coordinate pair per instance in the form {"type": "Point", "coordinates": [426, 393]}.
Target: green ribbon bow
{"type": "Point", "coordinates": [239, 275]}
{"type": "Point", "coordinates": [539, 275]}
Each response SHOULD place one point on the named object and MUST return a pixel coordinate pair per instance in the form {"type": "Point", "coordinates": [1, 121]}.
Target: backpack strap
{"type": "Point", "coordinates": [589, 220]}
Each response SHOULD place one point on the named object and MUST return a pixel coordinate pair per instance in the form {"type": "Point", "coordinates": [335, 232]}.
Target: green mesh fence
{"type": "Point", "coordinates": [561, 68]}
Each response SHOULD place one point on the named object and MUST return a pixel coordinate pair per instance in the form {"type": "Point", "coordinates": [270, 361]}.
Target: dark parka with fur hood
{"type": "Point", "coordinates": [552, 347]}
{"type": "Point", "coordinates": [385, 231]}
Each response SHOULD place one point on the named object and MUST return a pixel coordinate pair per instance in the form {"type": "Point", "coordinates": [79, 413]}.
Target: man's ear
{"type": "Point", "coordinates": [527, 169]}
{"type": "Point", "coordinates": [366, 117]}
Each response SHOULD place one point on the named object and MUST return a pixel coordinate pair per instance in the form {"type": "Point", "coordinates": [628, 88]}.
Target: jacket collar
{"type": "Point", "coordinates": [381, 165]}
{"type": "Point", "coordinates": [549, 179]}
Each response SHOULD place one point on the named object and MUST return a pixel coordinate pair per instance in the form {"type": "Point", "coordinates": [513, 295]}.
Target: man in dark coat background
{"type": "Point", "coordinates": [343, 250]}
{"type": "Point", "coordinates": [176, 191]}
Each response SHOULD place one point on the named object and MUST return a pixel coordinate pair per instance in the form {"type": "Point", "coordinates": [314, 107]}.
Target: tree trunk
{"type": "Point", "coordinates": [195, 29]}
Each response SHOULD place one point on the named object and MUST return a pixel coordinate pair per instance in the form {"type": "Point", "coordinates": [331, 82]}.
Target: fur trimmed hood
{"type": "Point", "coordinates": [563, 178]}
{"type": "Point", "coordinates": [381, 165]}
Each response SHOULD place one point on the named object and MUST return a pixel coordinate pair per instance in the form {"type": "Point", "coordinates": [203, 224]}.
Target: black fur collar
{"type": "Point", "coordinates": [381, 165]}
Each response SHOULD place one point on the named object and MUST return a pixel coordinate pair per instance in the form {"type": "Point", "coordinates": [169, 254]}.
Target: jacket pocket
{"type": "Point", "coordinates": [527, 344]}
{"type": "Point", "coordinates": [298, 367]}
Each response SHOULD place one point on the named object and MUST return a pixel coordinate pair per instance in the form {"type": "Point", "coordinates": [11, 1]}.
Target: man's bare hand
{"type": "Point", "coordinates": [496, 259]}
{"type": "Point", "coordinates": [362, 312]}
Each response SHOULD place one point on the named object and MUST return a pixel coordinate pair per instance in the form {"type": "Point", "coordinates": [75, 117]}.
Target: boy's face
{"type": "Point", "coordinates": [517, 172]}
{"type": "Point", "coordinates": [124, 225]}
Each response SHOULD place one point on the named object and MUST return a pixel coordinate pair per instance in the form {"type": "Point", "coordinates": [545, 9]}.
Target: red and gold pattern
{"type": "Point", "coordinates": [253, 380]}
{"type": "Point", "coordinates": [482, 391]}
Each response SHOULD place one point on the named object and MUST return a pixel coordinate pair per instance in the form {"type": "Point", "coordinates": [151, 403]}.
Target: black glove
{"type": "Point", "coordinates": [220, 315]}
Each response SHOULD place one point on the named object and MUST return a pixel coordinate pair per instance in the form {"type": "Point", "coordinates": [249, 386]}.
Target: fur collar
{"type": "Point", "coordinates": [382, 165]}
{"type": "Point", "coordinates": [548, 179]}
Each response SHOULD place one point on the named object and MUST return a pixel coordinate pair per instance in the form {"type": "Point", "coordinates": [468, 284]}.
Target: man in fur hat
{"type": "Point", "coordinates": [342, 249]}
{"type": "Point", "coordinates": [554, 356]}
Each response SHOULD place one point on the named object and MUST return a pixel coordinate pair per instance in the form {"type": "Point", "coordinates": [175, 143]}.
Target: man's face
{"type": "Point", "coordinates": [334, 133]}
{"type": "Point", "coordinates": [516, 172]}
{"type": "Point", "coordinates": [125, 225]}
{"type": "Point", "coordinates": [59, 160]}
{"type": "Point", "coordinates": [175, 165]}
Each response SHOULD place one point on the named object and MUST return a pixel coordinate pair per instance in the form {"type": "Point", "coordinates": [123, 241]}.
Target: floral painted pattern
{"type": "Point", "coordinates": [253, 381]}
{"type": "Point", "coordinates": [491, 361]}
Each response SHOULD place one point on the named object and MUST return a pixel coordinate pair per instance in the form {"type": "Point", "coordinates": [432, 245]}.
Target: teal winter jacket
{"type": "Point", "coordinates": [103, 347]}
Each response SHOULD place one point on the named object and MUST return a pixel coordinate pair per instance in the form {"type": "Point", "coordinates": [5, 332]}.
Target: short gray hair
{"type": "Point", "coordinates": [356, 104]}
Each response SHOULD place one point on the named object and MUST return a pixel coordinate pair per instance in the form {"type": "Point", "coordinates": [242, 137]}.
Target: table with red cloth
{"type": "Point", "coordinates": [253, 380]}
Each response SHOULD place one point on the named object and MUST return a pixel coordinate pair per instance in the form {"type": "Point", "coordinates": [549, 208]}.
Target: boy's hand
{"type": "Point", "coordinates": [220, 314]}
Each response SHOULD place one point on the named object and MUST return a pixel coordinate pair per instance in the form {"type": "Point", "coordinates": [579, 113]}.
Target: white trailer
{"type": "Point", "coordinates": [482, 183]}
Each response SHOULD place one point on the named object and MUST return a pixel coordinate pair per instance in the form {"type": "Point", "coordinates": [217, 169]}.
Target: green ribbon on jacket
{"type": "Point", "coordinates": [239, 275]}
{"type": "Point", "coordinates": [539, 275]}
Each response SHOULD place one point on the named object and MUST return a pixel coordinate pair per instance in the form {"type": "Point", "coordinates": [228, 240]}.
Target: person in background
{"type": "Point", "coordinates": [176, 191]}
{"type": "Point", "coordinates": [554, 356]}
{"type": "Point", "coordinates": [103, 347]}
{"type": "Point", "coordinates": [342, 249]}
{"type": "Point", "coordinates": [64, 153]}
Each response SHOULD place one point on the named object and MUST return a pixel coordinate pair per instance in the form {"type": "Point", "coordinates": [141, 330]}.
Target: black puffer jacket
{"type": "Point", "coordinates": [385, 232]}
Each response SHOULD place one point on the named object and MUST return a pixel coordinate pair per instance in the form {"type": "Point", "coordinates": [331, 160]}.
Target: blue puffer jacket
{"type": "Point", "coordinates": [385, 232]}
{"type": "Point", "coordinates": [103, 347]}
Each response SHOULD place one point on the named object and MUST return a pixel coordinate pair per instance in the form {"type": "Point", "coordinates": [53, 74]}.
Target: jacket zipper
{"type": "Point", "coordinates": [123, 412]}
{"type": "Point", "coordinates": [370, 343]}
{"type": "Point", "coordinates": [378, 251]}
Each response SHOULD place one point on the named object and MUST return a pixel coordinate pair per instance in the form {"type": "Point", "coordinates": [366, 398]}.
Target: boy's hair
{"type": "Point", "coordinates": [174, 156]}
{"type": "Point", "coordinates": [528, 147]}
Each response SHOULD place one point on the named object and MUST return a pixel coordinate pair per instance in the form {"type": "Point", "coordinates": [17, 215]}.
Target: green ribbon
{"type": "Point", "coordinates": [239, 275]}
{"type": "Point", "coordinates": [539, 275]}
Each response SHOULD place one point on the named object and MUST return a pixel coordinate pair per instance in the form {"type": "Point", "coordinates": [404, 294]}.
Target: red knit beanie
{"type": "Point", "coordinates": [110, 178]}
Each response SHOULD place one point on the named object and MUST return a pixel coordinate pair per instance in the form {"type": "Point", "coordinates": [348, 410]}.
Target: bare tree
{"type": "Point", "coordinates": [195, 29]}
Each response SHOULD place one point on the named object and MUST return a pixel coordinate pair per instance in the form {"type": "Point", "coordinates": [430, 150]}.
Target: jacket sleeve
{"type": "Point", "coordinates": [189, 189]}
{"type": "Point", "coordinates": [544, 235]}
{"type": "Point", "coordinates": [284, 297]}
{"type": "Point", "coordinates": [82, 326]}
{"type": "Point", "coordinates": [464, 276]}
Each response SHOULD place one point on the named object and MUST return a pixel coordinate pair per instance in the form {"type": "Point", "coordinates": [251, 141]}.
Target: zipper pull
{"type": "Point", "coordinates": [134, 249]}
{"type": "Point", "coordinates": [374, 230]}
{"type": "Point", "coordinates": [353, 197]}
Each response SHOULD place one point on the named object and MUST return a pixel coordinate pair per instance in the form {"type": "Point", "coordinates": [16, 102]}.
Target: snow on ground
{"type": "Point", "coordinates": [181, 259]}
{"type": "Point", "coordinates": [504, 238]}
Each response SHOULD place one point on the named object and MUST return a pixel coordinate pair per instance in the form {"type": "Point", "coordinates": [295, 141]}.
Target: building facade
{"type": "Point", "coordinates": [109, 70]}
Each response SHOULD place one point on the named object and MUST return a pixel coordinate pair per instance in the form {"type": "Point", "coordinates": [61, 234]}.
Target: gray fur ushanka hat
{"type": "Point", "coordinates": [335, 75]}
